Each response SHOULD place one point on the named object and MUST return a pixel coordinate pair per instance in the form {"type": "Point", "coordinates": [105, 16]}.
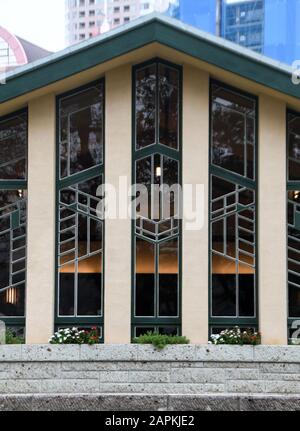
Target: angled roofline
{"type": "Point", "coordinates": [141, 32]}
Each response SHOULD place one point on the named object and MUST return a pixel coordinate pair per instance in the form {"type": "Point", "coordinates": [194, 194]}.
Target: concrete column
{"type": "Point", "coordinates": [117, 302]}
{"type": "Point", "coordinates": [195, 171]}
{"type": "Point", "coordinates": [272, 221]}
{"type": "Point", "coordinates": [41, 220]}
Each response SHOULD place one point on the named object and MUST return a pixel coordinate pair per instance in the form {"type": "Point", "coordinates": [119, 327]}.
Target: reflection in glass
{"type": "Point", "coordinates": [145, 106]}
{"type": "Point", "coordinates": [294, 253]}
{"type": "Point", "coordinates": [233, 131]}
{"type": "Point", "coordinates": [145, 278]}
{"type": "Point", "coordinates": [13, 147]}
{"type": "Point", "coordinates": [293, 147]}
{"type": "Point", "coordinates": [12, 252]}
{"type": "Point", "coordinates": [232, 249]}
{"type": "Point", "coordinates": [168, 278]}
{"type": "Point", "coordinates": [81, 131]}
{"type": "Point", "coordinates": [168, 106]}
{"type": "Point", "coordinates": [80, 251]}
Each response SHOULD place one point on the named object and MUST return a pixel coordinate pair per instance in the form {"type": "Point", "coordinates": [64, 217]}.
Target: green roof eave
{"type": "Point", "coordinates": [154, 28]}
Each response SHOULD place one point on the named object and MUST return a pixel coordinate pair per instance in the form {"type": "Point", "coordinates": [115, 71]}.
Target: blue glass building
{"type": "Point", "coordinates": [266, 26]}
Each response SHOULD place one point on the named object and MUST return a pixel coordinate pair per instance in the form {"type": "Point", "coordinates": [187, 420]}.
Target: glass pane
{"type": "Point", "coordinates": [294, 147]}
{"type": "Point", "coordinates": [144, 283]}
{"type": "Point", "coordinates": [67, 290]}
{"type": "Point", "coordinates": [13, 148]}
{"type": "Point", "coordinates": [168, 106]}
{"type": "Point", "coordinates": [12, 302]}
{"type": "Point", "coordinates": [81, 131]}
{"type": "Point", "coordinates": [145, 106]}
{"type": "Point", "coordinates": [12, 252]}
{"type": "Point", "coordinates": [168, 278]}
{"type": "Point", "coordinates": [294, 253]}
{"type": "Point", "coordinates": [246, 291]}
{"type": "Point", "coordinates": [171, 179]}
{"type": "Point", "coordinates": [89, 286]}
{"type": "Point", "coordinates": [223, 286]}
{"type": "Point", "coordinates": [144, 177]}
{"type": "Point", "coordinates": [233, 132]}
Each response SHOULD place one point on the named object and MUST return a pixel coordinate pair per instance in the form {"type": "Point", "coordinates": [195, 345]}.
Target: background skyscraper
{"type": "Point", "coordinates": [266, 26]}
{"type": "Point", "coordinates": [88, 18]}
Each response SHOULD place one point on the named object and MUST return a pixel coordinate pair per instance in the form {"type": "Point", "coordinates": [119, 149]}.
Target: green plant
{"type": "Point", "coordinates": [237, 336]}
{"type": "Point", "coordinates": [160, 341]}
{"type": "Point", "coordinates": [75, 336]}
{"type": "Point", "coordinates": [12, 338]}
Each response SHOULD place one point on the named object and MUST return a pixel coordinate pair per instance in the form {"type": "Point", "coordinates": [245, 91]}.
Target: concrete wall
{"type": "Point", "coordinates": [116, 377]}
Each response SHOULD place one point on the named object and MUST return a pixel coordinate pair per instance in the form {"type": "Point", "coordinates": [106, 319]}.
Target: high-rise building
{"type": "Point", "coordinates": [242, 22]}
{"type": "Point", "coordinates": [266, 26]}
{"type": "Point", "coordinates": [88, 18]}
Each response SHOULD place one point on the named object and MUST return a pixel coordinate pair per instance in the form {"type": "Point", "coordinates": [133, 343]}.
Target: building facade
{"type": "Point", "coordinates": [177, 111]}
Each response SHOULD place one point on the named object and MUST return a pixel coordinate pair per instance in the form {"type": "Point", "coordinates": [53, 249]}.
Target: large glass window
{"type": "Point", "coordinates": [79, 229]}
{"type": "Point", "coordinates": [232, 208]}
{"type": "Point", "coordinates": [13, 219]}
{"type": "Point", "coordinates": [293, 219]}
{"type": "Point", "coordinates": [157, 231]}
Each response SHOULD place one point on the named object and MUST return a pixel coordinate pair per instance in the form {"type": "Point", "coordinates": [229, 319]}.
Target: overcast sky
{"type": "Point", "coordinates": [39, 21]}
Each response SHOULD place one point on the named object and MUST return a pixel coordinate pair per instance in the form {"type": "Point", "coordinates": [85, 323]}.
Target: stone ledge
{"type": "Point", "coordinates": [142, 353]}
{"type": "Point", "coordinates": [128, 402]}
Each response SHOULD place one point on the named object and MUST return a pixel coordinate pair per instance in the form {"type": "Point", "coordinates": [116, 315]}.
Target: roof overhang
{"type": "Point", "coordinates": [148, 30]}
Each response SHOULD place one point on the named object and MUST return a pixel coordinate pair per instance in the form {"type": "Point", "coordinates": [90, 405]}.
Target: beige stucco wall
{"type": "Point", "coordinates": [195, 163]}
{"type": "Point", "coordinates": [41, 220]}
{"type": "Point", "coordinates": [117, 291]}
{"type": "Point", "coordinates": [272, 221]}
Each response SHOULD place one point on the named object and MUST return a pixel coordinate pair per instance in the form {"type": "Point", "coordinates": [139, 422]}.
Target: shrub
{"type": "Point", "coordinates": [160, 341]}
{"type": "Point", "coordinates": [75, 336]}
{"type": "Point", "coordinates": [12, 338]}
{"type": "Point", "coordinates": [237, 336]}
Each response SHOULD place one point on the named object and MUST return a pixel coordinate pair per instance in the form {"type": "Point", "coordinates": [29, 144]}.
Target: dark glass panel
{"type": "Point", "coordinates": [168, 106]}
{"type": "Point", "coordinates": [233, 132]}
{"type": "Point", "coordinates": [95, 235]}
{"type": "Point", "coordinates": [223, 286]}
{"type": "Point", "coordinates": [89, 286]}
{"type": "Point", "coordinates": [217, 231]}
{"type": "Point", "coordinates": [12, 302]}
{"type": "Point", "coordinates": [81, 131]}
{"type": "Point", "coordinates": [144, 177]}
{"type": "Point", "coordinates": [13, 148]}
{"type": "Point", "coordinates": [246, 294]}
{"type": "Point", "coordinates": [145, 281]}
{"type": "Point", "coordinates": [294, 297]}
{"type": "Point", "coordinates": [4, 260]}
{"type": "Point", "coordinates": [168, 278]}
{"type": "Point", "coordinates": [221, 188]}
{"type": "Point", "coordinates": [66, 290]}
{"type": "Point", "coordinates": [145, 106]}
{"type": "Point", "coordinates": [294, 147]}
{"type": "Point", "coordinates": [171, 179]}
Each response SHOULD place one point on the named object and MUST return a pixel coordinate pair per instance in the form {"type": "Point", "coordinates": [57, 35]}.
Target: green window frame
{"type": "Point", "coordinates": [235, 206]}
{"type": "Point", "coordinates": [13, 219]}
{"type": "Point", "coordinates": [293, 219]}
{"type": "Point", "coordinates": [77, 200]}
{"type": "Point", "coordinates": [157, 151]}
